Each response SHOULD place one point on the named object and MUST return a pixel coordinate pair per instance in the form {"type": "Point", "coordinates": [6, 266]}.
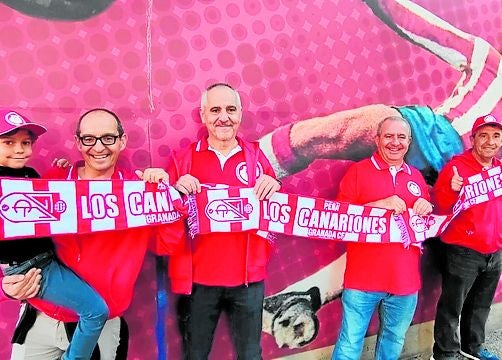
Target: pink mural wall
{"type": "Point", "coordinates": [290, 60]}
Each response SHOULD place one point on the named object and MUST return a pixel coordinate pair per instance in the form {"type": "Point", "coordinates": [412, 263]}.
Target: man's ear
{"type": "Point", "coordinates": [78, 144]}
{"type": "Point", "coordinates": [123, 141]}
{"type": "Point", "coordinates": [201, 114]}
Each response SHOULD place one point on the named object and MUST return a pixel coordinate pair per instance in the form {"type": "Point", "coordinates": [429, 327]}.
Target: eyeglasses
{"type": "Point", "coordinates": [106, 140]}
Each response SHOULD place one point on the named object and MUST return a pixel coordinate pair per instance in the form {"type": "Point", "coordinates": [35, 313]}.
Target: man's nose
{"type": "Point", "coordinates": [224, 117]}
{"type": "Point", "coordinates": [99, 145]}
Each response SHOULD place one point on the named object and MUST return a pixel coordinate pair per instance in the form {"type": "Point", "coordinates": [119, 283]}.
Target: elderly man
{"type": "Point", "coordinates": [98, 258]}
{"type": "Point", "coordinates": [222, 271]}
{"type": "Point", "coordinates": [383, 275]}
{"type": "Point", "coordinates": [473, 244]}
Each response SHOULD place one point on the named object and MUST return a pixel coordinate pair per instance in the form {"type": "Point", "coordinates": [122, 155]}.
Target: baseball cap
{"type": "Point", "coordinates": [485, 120]}
{"type": "Point", "coordinates": [12, 120]}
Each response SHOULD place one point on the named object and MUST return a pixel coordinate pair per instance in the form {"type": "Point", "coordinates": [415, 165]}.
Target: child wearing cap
{"type": "Point", "coordinates": [59, 284]}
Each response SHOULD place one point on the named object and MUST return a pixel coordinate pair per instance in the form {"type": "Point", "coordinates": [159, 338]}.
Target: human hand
{"type": "Point", "coordinates": [422, 207]}
{"type": "Point", "coordinates": [394, 203]}
{"type": "Point", "coordinates": [187, 184]}
{"type": "Point", "coordinates": [22, 287]}
{"type": "Point", "coordinates": [266, 186]}
{"type": "Point", "coordinates": [456, 180]}
{"type": "Point", "coordinates": [60, 163]}
{"type": "Point", "coordinates": [153, 175]}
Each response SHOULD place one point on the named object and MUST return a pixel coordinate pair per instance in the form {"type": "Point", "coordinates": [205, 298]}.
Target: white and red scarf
{"type": "Point", "coordinates": [37, 208]}
{"type": "Point", "coordinates": [237, 209]}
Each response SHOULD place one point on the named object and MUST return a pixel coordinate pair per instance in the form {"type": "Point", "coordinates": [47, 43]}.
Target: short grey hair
{"type": "Point", "coordinates": [203, 99]}
{"type": "Point", "coordinates": [394, 118]}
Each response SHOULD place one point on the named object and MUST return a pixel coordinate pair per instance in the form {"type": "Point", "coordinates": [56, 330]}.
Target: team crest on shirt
{"type": "Point", "coordinates": [241, 171]}
{"type": "Point", "coordinates": [414, 188]}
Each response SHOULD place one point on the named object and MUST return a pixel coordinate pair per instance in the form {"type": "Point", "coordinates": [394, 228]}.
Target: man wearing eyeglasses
{"type": "Point", "coordinates": [109, 261]}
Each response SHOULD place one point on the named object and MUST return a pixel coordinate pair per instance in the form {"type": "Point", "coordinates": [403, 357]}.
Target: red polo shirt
{"type": "Point", "coordinates": [382, 267]}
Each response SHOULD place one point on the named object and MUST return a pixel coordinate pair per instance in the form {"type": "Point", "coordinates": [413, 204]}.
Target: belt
{"type": "Point", "coordinates": [22, 267]}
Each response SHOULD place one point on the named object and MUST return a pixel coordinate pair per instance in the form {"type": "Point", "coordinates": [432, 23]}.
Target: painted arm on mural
{"type": "Point", "coordinates": [71, 10]}
{"type": "Point", "coordinates": [348, 135]}
{"type": "Point", "coordinates": [290, 315]}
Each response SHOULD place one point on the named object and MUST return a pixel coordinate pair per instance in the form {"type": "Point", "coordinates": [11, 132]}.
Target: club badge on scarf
{"type": "Point", "coordinates": [36, 208]}
{"type": "Point", "coordinates": [238, 209]}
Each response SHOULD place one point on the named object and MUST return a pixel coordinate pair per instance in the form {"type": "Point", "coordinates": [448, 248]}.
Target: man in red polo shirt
{"type": "Point", "coordinates": [385, 275]}
{"type": "Point", "coordinates": [222, 271]}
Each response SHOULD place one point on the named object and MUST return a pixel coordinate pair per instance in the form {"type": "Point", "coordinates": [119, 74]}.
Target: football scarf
{"type": "Point", "coordinates": [238, 209]}
{"type": "Point", "coordinates": [38, 208]}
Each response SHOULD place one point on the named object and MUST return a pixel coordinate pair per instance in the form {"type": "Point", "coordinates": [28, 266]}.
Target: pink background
{"type": "Point", "coordinates": [290, 60]}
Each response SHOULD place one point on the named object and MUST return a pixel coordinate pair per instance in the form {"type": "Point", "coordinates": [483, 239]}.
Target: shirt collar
{"type": "Point", "coordinates": [73, 172]}
{"type": "Point", "coordinates": [203, 145]}
{"type": "Point", "coordinates": [380, 164]}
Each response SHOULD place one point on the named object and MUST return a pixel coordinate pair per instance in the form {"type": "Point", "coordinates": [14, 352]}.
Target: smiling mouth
{"type": "Point", "coordinates": [99, 157]}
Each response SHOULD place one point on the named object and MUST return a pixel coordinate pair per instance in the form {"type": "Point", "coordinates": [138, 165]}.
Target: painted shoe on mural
{"type": "Point", "coordinates": [483, 354]}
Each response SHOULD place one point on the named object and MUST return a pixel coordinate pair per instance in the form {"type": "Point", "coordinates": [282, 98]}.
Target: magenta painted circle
{"type": "Point", "coordinates": [219, 37]}
{"type": "Point", "coordinates": [191, 20]}
{"type": "Point", "coordinates": [212, 15]}
{"type": "Point", "coordinates": [226, 59]}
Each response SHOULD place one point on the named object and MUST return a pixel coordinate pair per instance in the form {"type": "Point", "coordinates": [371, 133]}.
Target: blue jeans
{"type": "Point", "coordinates": [199, 312]}
{"type": "Point", "coordinates": [63, 287]}
{"type": "Point", "coordinates": [469, 283]}
{"type": "Point", "coordinates": [396, 313]}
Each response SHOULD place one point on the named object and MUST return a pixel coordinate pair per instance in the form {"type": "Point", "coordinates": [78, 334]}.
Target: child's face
{"type": "Point", "coordinates": [16, 149]}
